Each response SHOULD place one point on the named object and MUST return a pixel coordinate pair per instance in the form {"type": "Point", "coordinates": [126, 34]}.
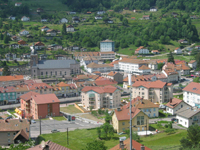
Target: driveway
{"type": "Point", "coordinates": [151, 121]}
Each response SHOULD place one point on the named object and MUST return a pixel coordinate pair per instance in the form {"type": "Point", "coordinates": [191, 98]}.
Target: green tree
{"type": "Point", "coordinates": [108, 118]}
{"type": "Point", "coordinates": [125, 22]}
{"type": "Point", "coordinates": [192, 140]}
{"type": "Point", "coordinates": [6, 71]}
{"type": "Point", "coordinates": [64, 29]}
{"type": "Point", "coordinates": [99, 132]}
{"type": "Point", "coordinates": [196, 80]}
{"type": "Point", "coordinates": [160, 65]}
{"type": "Point", "coordinates": [96, 145]}
{"type": "Point", "coordinates": [170, 58]}
{"type": "Point", "coordinates": [107, 130]}
{"type": "Point", "coordinates": [6, 39]}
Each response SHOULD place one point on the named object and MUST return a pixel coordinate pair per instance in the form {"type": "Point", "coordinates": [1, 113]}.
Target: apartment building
{"type": "Point", "coordinates": [41, 88]}
{"type": "Point", "coordinates": [100, 97]}
{"type": "Point", "coordinates": [107, 46]}
{"type": "Point", "coordinates": [141, 50]}
{"type": "Point", "coordinates": [107, 55]}
{"type": "Point", "coordinates": [92, 67]}
{"type": "Point", "coordinates": [156, 91]}
{"type": "Point", "coordinates": [35, 105]}
{"type": "Point", "coordinates": [11, 80]}
{"type": "Point", "coordinates": [191, 94]}
{"type": "Point", "coordinates": [14, 130]}
{"type": "Point", "coordinates": [114, 76]}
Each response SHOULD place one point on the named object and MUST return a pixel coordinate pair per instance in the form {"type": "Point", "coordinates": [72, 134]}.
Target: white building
{"type": "Point", "coordinates": [141, 50]}
{"type": "Point", "coordinates": [44, 20]}
{"type": "Point", "coordinates": [178, 51]}
{"type": "Point", "coordinates": [100, 12]}
{"type": "Point", "coordinates": [18, 4]}
{"type": "Point", "coordinates": [191, 94]}
{"type": "Point", "coordinates": [188, 116]}
{"type": "Point", "coordinates": [24, 33]}
{"type": "Point", "coordinates": [87, 60]}
{"type": "Point", "coordinates": [92, 67]}
{"type": "Point", "coordinates": [10, 56]}
{"type": "Point", "coordinates": [98, 17]}
{"type": "Point", "coordinates": [45, 28]}
{"type": "Point", "coordinates": [174, 105]}
{"type": "Point", "coordinates": [144, 70]}
{"type": "Point", "coordinates": [153, 9]}
{"type": "Point", "coordinates": [192, 64]}
{"type": "Point", "coordinates": [24, 18]}
{"type": "Point", "coordinates": [11, 18]}
{"type": "Point", "coordinates": [63, 20]}
{"type": "Point", "coordinates": [107, 46]}
{"type": "Point", "coordinates": [70, 28]}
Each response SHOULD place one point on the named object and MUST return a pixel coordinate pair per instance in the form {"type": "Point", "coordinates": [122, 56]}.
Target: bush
{"type": "Point", "coordinates": [166, 125]}
{"type": "Point", "coordinates": [170, 131]}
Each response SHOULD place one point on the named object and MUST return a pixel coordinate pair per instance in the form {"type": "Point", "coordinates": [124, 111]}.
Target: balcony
{"type": "Point", "coordinates": [91, 104]}
{"type": "Point", "coordinates": [91, 99]}
{"type": "Point", "coordinates": [111, 97]}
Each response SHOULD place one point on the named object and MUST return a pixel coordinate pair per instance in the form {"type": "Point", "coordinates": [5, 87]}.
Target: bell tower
{"type": "Point", "coordinates": [34, 57]}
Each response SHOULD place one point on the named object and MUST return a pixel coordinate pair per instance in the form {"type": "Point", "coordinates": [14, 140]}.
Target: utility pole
{"type": "Point", "coordinates": [130, 84]}
{"type": "Point", "coordinates": [40, 126]}
{"type": "Point", "coordinates": [146, 127]}
{"type": "Point", "coordinates": [67, 137]}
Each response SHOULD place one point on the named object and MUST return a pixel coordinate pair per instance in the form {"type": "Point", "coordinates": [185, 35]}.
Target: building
{"type": "Point", "coordinates": [144, 70]}
{"type": "Point", "coordinates": [18, 4]}
{"type": "Point", "coordinates": [14, 131]}
{"type": "Point", "coordinates": [192, 64]}
{"type": "Point", "coordinates": [87, 60]}
{"type": "Point", "coordinates": [44, 20]}
{"type": "Point", "coordinates": [153, 9]}
{"type": "Point", "coordinates": [98, 17]}
{"type": "Point", "coordinates": [156, 91]}
{"type": "Point", "coordinates": [100, 12]}
{"type": "Point", "coordinates": [82, 78]}
{"type": "Point", "coordinates": [155, 52]}
{"type": "Point", "coordinates": [45, 28]}
{"type": "Point", "coordinates": [7, 95]}
{"type": "Point", "coordinates": [92, 67]}
{"type": "Point", "coordinates": [11, 80]}
{"type": "Point", "coordinates": [63, 20]}
{"type": "Point", "coordinates": [183, 41]}
{"type": "Point", "coordinates": [141, 50]}
{"type": "Point", "coordinates": [188, 116]}
{"type": "Point", "coordinates": [121, 119]}
{"type": "Point", "coordinates": [11, 18]}
{"type": "Point", "coordinates": [107, 55]}
{"type": "Point", "coordinates": [191, 94]}
{"type": "Point", "coordinates": [178, 51]}
{"type": "Point", "coordinates": [148, 107]}
{"type": "Point", "coordinates": [146, 17]}
{"type": "Point", "coordinates": [100, 97]}
{"type": "Point", "coordinates": [72, 13]}
{"type": "Point", "coordinates": [80, 55]}
{"type": "Point", "coordinates": [115, 76]}
{"type": "Point", "coordinates": [51, 32]}
{"type": "Point", "coordinates": [41, 88]}
{"type": "Point", "coordinates": [39, 10]}
{"type": "Point", "coordinates": [14, 46]}
{"type": "Point", "coordinates": [174, 105]}
{"type": "Point", "coordinates": [24, 18]}
{"type": "Point", "coordinates": [105, 81]}
{"type": "Point", "coordinates": [10, 56]}
{"type": "Point", "coordinates": [57, 68]}
{"type": "Point", "coordinates": [49, 145]}
{"type": "Point", "coordinates": [37, 45]}
{"type": "Point", "coordinates": [125, 145]}
{"type": "Point", "coordinates": [55, 47]}
{"type": "Point", "coordinates": [107, 46]}
{"type": "Point", "coordinates": [24, 33]}
{"type": "Point", "coordinates": [70, 28]}
{"type": "Point", "coordinates": [35, 105]}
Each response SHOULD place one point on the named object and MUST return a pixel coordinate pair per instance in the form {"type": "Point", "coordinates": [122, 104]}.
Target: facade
{"type": "Point", "coordinates": [37, 45]}
{"type": "Point", "coordinates": [55, 47]}
{"type": "Point", "coordinates": [63, 20]}
{"type": "Point", "coordinates": [100, 12]}
{"type": "Point", "coordinates": [141, 50]}
{"type": "Point", "coordinates": [144, 70]}
{"type": "Point", "coordinates": [11, 80]}
{"type": "Point", "coordinates": [70, 28]}
{"type": "Point", "coordinates": [188, 116]}
{"type": "Point", "coordinates": [51, 32]}
{"type": "Point", "coordinates": [14, 46]}
{"type": "Point", "coordinates": [14, 130]}
{"type": "Point", "coordinates": [35, 105]}
{"type": "Point", "coordinates": [44, 20]}
{"type": "Point", "coordinates": [192, 64]}
{"type": "Point", "coordinates": [24, 33]}
{"type": "Point", "coordinates": [121, 119]}
{"type": "Point", "coordinates": [45, 28]}
{"type": "Point", "coordinates": [107, 46]}
{"type": "Point", "coordinates": [153, 9]}
{"type": "Point", "coordinates": [156, 91]}
{"type": "Point", "coordinates": [87, 60]}
{"type": "Point", "coordinates": [98, 18]}
{"type": "Point", "coordinates": [178, 51]}
{"type": "Point", "coordinates": [22, 43]}
{"type": "Point", "coordinates": [11, 18]}
{"type": "Point", "coordinates": [92, 67]}
{"type": "Point", "coordinates": [172, 75]}
{"type": "Point", "coordinates": [146, 17]}
{"type": "Point", "coordinates": [107, 55]}
{"type": "Point", "coordinates": [7, 95]}
{"type": "Point", "coordinates": [115, 76]}
{"type": "Point", "coordinates": [100, 97]}
{"type": "Point", "coordinates": [155, 52]}
{"type": "Point", "coordinates": [24, 18]}
{"type": "Point", "coordinates": [10, 56]}
{"type": "Point", "coordinates": [174, 105]}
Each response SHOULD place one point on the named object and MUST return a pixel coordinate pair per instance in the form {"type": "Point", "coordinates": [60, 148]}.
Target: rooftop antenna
{"type": "Point", "coordinates": [129, 85]}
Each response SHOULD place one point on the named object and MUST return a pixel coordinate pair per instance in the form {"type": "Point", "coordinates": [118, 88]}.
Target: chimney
{"type": "Point", "coordinates": [142, 147]}
{"type": "Point", "coordinates": [170, 100]}
{"type": "Point", "coordinates": [121, 144]}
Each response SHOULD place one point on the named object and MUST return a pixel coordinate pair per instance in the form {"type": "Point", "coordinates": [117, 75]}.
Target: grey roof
{"type": "Point", "coordinates": [50, 64]}
{"type": "Point", "coordinates": [187, 111]}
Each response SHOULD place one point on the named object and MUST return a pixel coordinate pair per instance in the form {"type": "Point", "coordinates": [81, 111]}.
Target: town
{"type": "Point", "coordinates": [97, 79]}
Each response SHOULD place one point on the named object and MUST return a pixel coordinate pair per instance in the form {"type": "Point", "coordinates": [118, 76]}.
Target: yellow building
{"type": "Point", "coordinates": [121, 118]}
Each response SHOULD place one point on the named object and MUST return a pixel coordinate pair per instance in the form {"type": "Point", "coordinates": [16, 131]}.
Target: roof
{"type": "Point", "coordinates": [105, 82]}
{"type": "Point", "coordinates": [145, 16]}
{"type": "Point", "coordinates": [187, 111]}
{"type": "Point", "coordinates": [96, 72]}
{"type": "Point", "coordinates": [107, 40]}
{"type": "Point", "coordinates": [135, 78]}
{"type": "Point", "coordinates": [51, 146]}
{"type": "Point", "coordinates": [154, 51]}
{"type": "Point", "coordinates": [144, 67]}
{"type": "Point", "coordinates": [7, 89]}
{"type": "Point", "coordinates": [132, 61]}
{"type": "Point", "coordinates": [80, 77]}
{"type": "Point", "coordinates": [112, 73]}
{"type": "Point", "coordinates": [175, 102]}
{"type": "Point", "coordinates": [39, 44]}
{"type": "Point", "coordinates": [193, 87]}
{"type": "Point", "coordinates": [139, 48]}
{"type": "Point", "coordinates": [70, 26]}
{"type": "Point", "coordinates": [100, 90]}
{"type": "Point", "coordinates": [45, 99]}
{"type": "Point", "coordinates": [21, 88]}
{"type": "Point", "coordinates": [192, 61]}
{"type": "Point", "coordinates": [48, 64]}
{"type": "Point", "coordinates": [62, 84]}
{"type": "Point", "coordinates": [86, 54]}
{"type": "Point", "coordinates": [94, 65]}
{"type": "Point", "coordinates": [11, 78]}
{"type": "Point", "coordinates": [155, 84]}
{"type": "Point", "coordinates": [22, 133]}
{"type": "Point", "coordinates": [114, 62]}
{"type": "Point", "coordinates": [51, 30]}
{"type": "Point", "coordinates": [35, 86]}
{"type": "Point", "coordinates": [28, 95]}
{"type": "Point", "coordinates": [135, 145]}
{"type": "Point", "coordinates": [44, 27]}
{"type": "Point", "coordinates": [177, 48]}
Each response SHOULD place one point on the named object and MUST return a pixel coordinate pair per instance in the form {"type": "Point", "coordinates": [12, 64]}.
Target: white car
{"type": "Point", "coordinates": [33, 121]}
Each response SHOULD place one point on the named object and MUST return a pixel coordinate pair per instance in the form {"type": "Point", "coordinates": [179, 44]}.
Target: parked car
{"type": "Point", "coordinates": [54, 131]}
{"type": "Point", "coordinates": [33, 121]}
{"type": "Point", "coordinates": [9, 117]}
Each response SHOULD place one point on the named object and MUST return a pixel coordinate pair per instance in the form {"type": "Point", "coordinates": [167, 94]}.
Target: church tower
{"type": "Point", "coordinates": [34, 57]}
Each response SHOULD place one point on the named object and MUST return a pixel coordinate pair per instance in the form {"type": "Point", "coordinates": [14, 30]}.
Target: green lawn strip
{"type": "Point", "coordinates": [70, 109]}
{"type": "Point", "coordinates": [59, 118]}
{"type": "Point", "coordinates": [179, 96]}
{"type": "Point", "coordinates": [12, 111]}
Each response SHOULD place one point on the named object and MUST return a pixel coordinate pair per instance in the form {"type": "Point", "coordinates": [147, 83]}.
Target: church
{"type": "Point", "coordinates": [52, 68]}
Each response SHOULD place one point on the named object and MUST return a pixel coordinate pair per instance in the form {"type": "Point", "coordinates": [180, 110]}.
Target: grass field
{"type": "Point", "coordinates": [70, 109]}
{"type": "Point", "coordinates": [179, 96]}
{"type": "Point", "coordinates": [59, 118]}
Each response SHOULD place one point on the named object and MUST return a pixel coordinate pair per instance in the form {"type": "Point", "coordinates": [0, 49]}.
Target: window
{"type": "Point", "coordinates": [154, 109]}
{"type": "Point", "coordinates": [123, 123]}
{"type": "Point", "coordinates": [8, 133]}
{"type": "Point", "coordinates": [60, 72]}
{"type": "Point", "coordinates": [14, 134]}
{"type": "Point", "coordinates": [140, 120]}
{"type": "Point", "coordinates": [8, 140]}
{"type": "Point", "coordinates": [41, 73]}
{"type": "Point", "coordinates": [46, 73]}
{"type": "Point", "coordinates": [154, 114]}
{"type": "Point", "coordinates": [56, 73]}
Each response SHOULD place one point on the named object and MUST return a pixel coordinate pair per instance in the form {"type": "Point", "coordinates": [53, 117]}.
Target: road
{"type": "Point", "coordinates": [160, 119]}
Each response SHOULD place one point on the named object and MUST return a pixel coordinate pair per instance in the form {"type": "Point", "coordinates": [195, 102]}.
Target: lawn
{"type": "Point", "coordinates": [59, 118]}
{"type": "Point", "coordinates": [70, 109]}
{"type": "Point", "coordinates": [179, 96]}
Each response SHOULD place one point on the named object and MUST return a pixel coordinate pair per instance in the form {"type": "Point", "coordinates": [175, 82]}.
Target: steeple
{"type": "Point", "coordinates": [33, 51]}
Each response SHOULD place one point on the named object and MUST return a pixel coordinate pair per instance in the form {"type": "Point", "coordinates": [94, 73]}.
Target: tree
{"type": "Point", "coordinates": [6, 39]}
{"type": "Point", "coordinates": [192, 140]}
{"type": "Point", "coordinates": [125, 22]}
{"type": "Point", "coordinates": [108, 118]}
{"type": "Point", "coordinates": [64, 29]}
{"type": "Point", "coordinates": [96, 145]}
{"type": "Point", "coordinates": [6, 71]}
{"type": "Point", "coordinates": [135, 136]}
{"type": "Point", "coordinates": [108, 130]}
{"type": "Point", "coordinates": [160, 65]}
{"type": "Point", "coordinates": [196, 80]}
{"type": "Point", "coordinates": [170, 58]}
{"type": "Point", "coordinates": [99, 132]}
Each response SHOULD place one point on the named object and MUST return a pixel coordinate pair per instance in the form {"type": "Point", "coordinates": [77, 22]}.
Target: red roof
{"type": "Point", "coordinates": [147, 84]}
{"type": "Point", "coordinates": [39, 44]}
{"type": "Point", "coordinates": [36, 86]}
{"type": "Point", "coordinates": [45, 99]}
{"type": "Point", "coordinates": [28, 95]}
{"type": "Point", "coordinates": [105, 89]}
{"type": "Point", "coordinates": [174, 103]}
{"type": "Point", "coordinates": [105, 82]}
{"type": "Point", "coordinates": [139, 48]}
{"type": "Point", "coordinates": [193, 87]}
{"type": "Point", "coordinates": [11, 78]}
{"type": "Point", "coordinates": [144, 67]}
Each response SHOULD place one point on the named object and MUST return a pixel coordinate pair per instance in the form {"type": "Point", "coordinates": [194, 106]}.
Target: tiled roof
{"type": "Point", "coordinates": [94, 65]}
{"type": "Point", "coordinates": [142, 103]}
{"type": "Point", "coordinates": [21, 88]}
{"type": "Point", "coordinates": [51, 146]}
{"type": "Point", "coordinates": [139, 48]}
{"type": "Point", "coordinates": [11, 78]}
{"type": "Point", "coordinates": [38, 86]}
{"type": "Point", "coordinates": [72, 86]}
{"type": "Point", "coordinates": [7, 89]}
{"type": "Point", "coordinates": [51, 30]}
{"type": "Point", "coordinates": [100, 90]}
{"type": "Point", "coordinates": [86, 54]}
{"type": "Point", "coordinates": [105, 82]}
{"type": "Point", "coordinates": [80, 77]}
{"type": "Point", "coordinates": [96, 72]}
{"type": "Point", "coordinates": [89, 58]}
{"type": "Point", "coordinates": [147, 84]}
{"type": "Point", "coordinates": [192, 61]}
{"type": "Point", "coordinates": [112, 73]}
{"type": "Point", "coordinates": [45, 27]}
{"type": "Point", "coordinates": [144, 67]}
{"type": "Point", "coordinates": [175, 102]}
{"type": "Point", "coordinates": [70, 26]}
{"type": "Point", "coordinates": [187, 111]}
{"type": "Point", "coordinates": [193, 87]}
{"type": "Point", "coordinates": [114, 62]}
{"type": "Point", "coordinates": [107, 52]}
{"type": "Point", "coordinates": [135, 78]}
{"type": "Point", "coordinates": [145, 16]}
{"type": "Point", "coordinates": [28, 95]}
{"type": "Point", "coordinates": [39, 44]}
{"type": "Point", "coordinates": [45, 98]}
{"type": "Point", "coordinates": [135, 145]}
{"type": "Point", "coordinates": [62, 84]}
{"type": "Point", "coordinates": [176, 48]}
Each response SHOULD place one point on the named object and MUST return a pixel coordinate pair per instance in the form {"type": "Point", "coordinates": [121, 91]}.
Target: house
{"type": "Point", "coordinates": [72, 12]}
{"type": "Point", "coordinates": [24, 33]}
{"type": "Point", "coordinates": [194, 17]}
{"type": "Point", "coordinates": [133, 18]}
{"type": "Point", "coordinates": [156, 91]}
{"type": "Point", "coordinates": [110, 21]}
{"type": "Point", "coordinates": [29, 36]}
{"type": "Point", "coordinates": [107, 46]}
{"type": "Point", "coordinates": [174, 14]}
{"type": "Point", "coordinates": [18, 4]}
{"type": "Point", "coordinates": [7, 95]}
{"type": "Point", "coordinates": [45, 28]}
{"type": "Point", "coordinates": [49, 145]}
{"type": "Point", "coordinates": [14, 46]}
{"type": "Point", "coordinates": [39, 10]}
{"type": "Point", "coordinates": [197, 47]}
{"type": "Point", "coordinates": [10, 56]}
{"type": "Point", "coordinates": [70, 28]}
{"type": "Point", "coordinates": [14, 131]}
{"type": "Point", "coordinates": [15, 38]}
{"type": "Point", "coordinates": [188, 116]}
{"type": "Point", "coordinates": [80, 55]}
{"type": "Point", "coordinates": [26, 56]}
{"type": "Point", "coordinates": [174, 105]}
{"type": "Point", "coordinates": [37, 45]}
{"type": "Point", "coordinates": [100, 12]}
{"type": "Point", "coordinates": [192, 64]}
{"type": "Point", "coordinates": [83, 19]}
{"type": "Point", "coordinates": [141, 50]}
{"type": "Point", "coordinates": [107, 55]}
{"type": "Point", "coordinates": [121, 119]}
{"type": "Point", "coordinates": [125, 144]}
{"type": "Point", "coordinates": [172, 75]}
{"type": "Point", "coordinates": [98, 17]}
{"type": "Point", "coordinates": [153, 9]}
{"type": "Point", "coordinates": [11, 80]}
{"type": "Point", "coordinates": [63, 20]}
{"type": "Point", "coordinates": [191, 94]}
{"type": "Point", "coordinates": [178, 51]}
{"type": "Point", "coordinates": [42, 105]}
{"type": "Point", "coordinates": [146, 17]}
{"type": "Point", "coordinates": [22, 42]}
{"type": "Point", "coordinates": [183, 41]}
{"type": "Point", "coordinates": [76, 20]}
{"type": "Point", "coordinates": [148, 107]}
{"type": "Point", "coordinates": [100, 97]}
{"type": "Point", "coordinates": [51, 32]}
{"type": "Point", "coordinates": [155, 52]}
{"type": "Point", "coordinates": [89, 12]}
{"type": "Point", "coordinates": [55, 47]}
{"type": "Point", "coordinates": [144, 70]}
{"type": "Point", "coordinates": [92, 67]}
{"type": "Point", "coordinates": [24, 18]}
{"type": "Point", "coordinates": [87, 60]}
{"type": "Point", "coordinates": [44, 20]}
{"type": "Point", "coordinates": [11, 18]}
{"type": "Point", "coordinates": [115, 76]}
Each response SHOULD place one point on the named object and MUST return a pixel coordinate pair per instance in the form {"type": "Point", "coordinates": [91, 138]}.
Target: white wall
{"type": "Point", "coordinates": [173, 110]}
{"type": "Point", "coordinates": [191, 98]}
{"type": "Point", "coordinates": [183, 121]}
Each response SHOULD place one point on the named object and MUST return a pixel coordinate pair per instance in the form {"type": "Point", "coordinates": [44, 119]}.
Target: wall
{"type": "Point", "coordinates": [4, 138]}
